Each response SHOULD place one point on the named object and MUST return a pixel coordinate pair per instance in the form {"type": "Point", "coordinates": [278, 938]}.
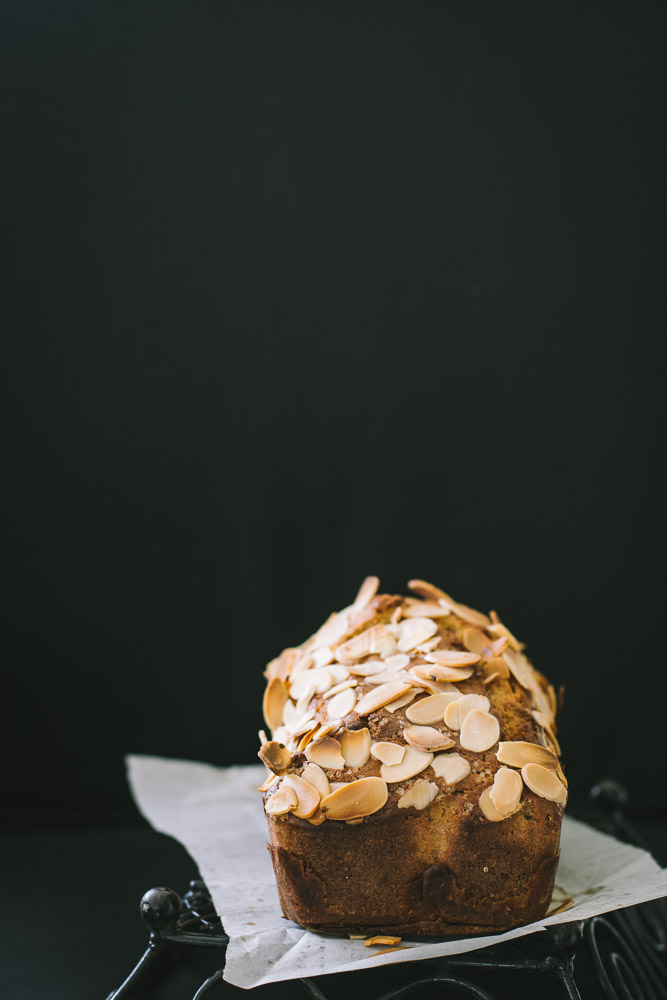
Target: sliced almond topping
{"type": "Point", "coordinates": [405, 699]}
{"type": "Point", "coordinates": [338, 672]}
{"type": "Point", "coordinates": [380, 696]}
{"type": "Point", "coordinates": [315, 776]}
{"type": "Point", "coordinates": [495, 648]}
{"type": "Point", "coordinates": [430, 710]}
{"type": "Point", "coordinates": [340, 687]}
{"type": "Point", "coordinates": [367, 592]}
{"type": "Point", "coordinates": [427, 590]}
{"type": "Point", "coordinates": [498, 629]}
{"type": "Point", "coordinates": [307, 738]}
{"type": "Point", "coordinates": [451, 766]}
{"type": "Point", "coordinates": [322, 679]}
{"type": "Point", "coordinates": [396, 614]}
{"type": "Point", "coordinates": [436, 687]}
{"type": "Point", "coordinates": [364, 643]}
{"type": "Point", "coordinates": [273, 704]}
{"type": "Point", "coordinates": [518, 752]}
{"type": "Point", "coordinates": [453, 658]}
{"type": "Point", "coordinates": [283, 801]}
{"type": "Point", "coordinates": [367, 668]}
{"type": "Point", "coordinates": [281, 666]}
{"type": "Point", "coordinates": [488, 808]}
{"type": "Point", "coordinates": [334, 630]}
{"type": "Point", "coordinates": [464, 612]}
{"type": "Point", "coordinates": [420, 795]}
{"type": "Point", "coordinates": [497, 667]}
{"type": "Point", "coordinates": [302, 663]}
{"type": "Point", "coordinates": [268, 781]}
{"type": "Point", "coordinates": [505, 792]}
{"type": "Point", "coordinates": [388, 753]}
{"type": "Point", "coordinates": [387, 676]}
{"type": "Point", "coordinates": [544, 783]}
{"type": "Point", "coordinates": [276, 756]}
{"type": "Point", "coordinates": [520, 668]}
{"type": "Point", "coordinates": [475, 640]}
{"type": "Point", "coordinates": [436, 672]}
{"type": "Point", "coordinates": [545, 721]}
{"type": "Point", "coordinates": [323, 656]}
{"type": "Point", "coordinates": [303, 685]}
{"type": "Point", "coordinates": [398, 661]}
{"type": "Point", "coordinates": [414, 761]}
{"type": "Point", "coordinates": [335, 785]}
{"type": "Point", "coordinates": [412, 631]}
{"type": "Point", "coordinates": [457, 710]}
{"type": "Point", "coordinates": [381, 939]}
{"type": "Point", "coordinates": [424, 609]}
{"type": "Point", "coordinates": [427, 738]}
{"type": "Point", "coordinates": [263, 738]}
{"type": "Point", "coordinates": [357, 799]}
{"type": "Point", "coordinates": [480, 730]}
{"type": "Point", "coordinates": [428, 646]}
{"type": "Point", "coordinates": [326, 752]}
{"type": "Point", "coordinates": [317, 818]}
{"type": "Point", "coordinates": [307, 797]}
{"type": "Point", "coordinates": [327, 728]}
{"type": "Point", "coordinates": [355, 745]}
{"type": "Point", "coordinates": [302, 725]}
{"type": "Point", "coordinates": [341, 704]}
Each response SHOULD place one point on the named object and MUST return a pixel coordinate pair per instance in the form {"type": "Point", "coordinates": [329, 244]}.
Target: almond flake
{"type": "Point", "coordinates": [386, 676]}
{"type": "Point", "coordinates": [367, 592]}
{"type": "Point", "coordinates": [382, 939]}
{"type": "Point", "coordinates": [263, 738]}
{"type": "Point", "coordinates": [303, 662]}
{"type": "Point", "coordinates": [420, 795]}
{"type": "Point", "coordinates": [307, 738]}
{"type": "Point", "coordinates": [412, 631]}
{"type": "Point", "coordinates": [355, 745]}
{"type": "Point", "coordinates": [436, 687]}
{"type": "Point", "coordinates": [430, 711]}
{"type": "Point", "coordinates": [327, 728]}
{"type": "Point", "coordinates": [338, 672]}
{"type": "Point", "coordinates": [341, 704]}
{"type": "Point", "coordinates": [424, 609]}
{"type": "Point", "coordinates": [396, 614]}
{"type": "Point", "coordinates": [414, 761]}
{"type": "Point", "coordinates": [497, 667]}
{"type": "Point", "coordinates": [380, 696]}
{"type": "Point", "coordinates": [505, 792]}
{"type": "Point", "coordinates": [334, 630]}
{"type": "Point", "coordinates": [335, 785]}
{"type": "Point", "coordinates": [317, 818]}
{"type": "Point", "coordinates": [464, 612]}
{"type": "Point", "coordinates": [315, 776]}
{"type": "Point", "coordinates": [457, 710]}
{"type": "Point", "coordinates": [427, 738]}
{"type": "Point", "coordinates": [495, 648]}
{"type": "Point", "coordinates": [273, 704]}
{"type": "Point", "coordinates": [398, 661]}
{"type": "Point", "coordinates": [405, 699]}
{"type": "Point", "coordinates": [475, 640]}
{"type": "Point", "coordinates": [518, 752]}
{"type": "Point", "coordinates": [276, 756]}
{"type": "Point", "coordinates": [302, 725]}
{"type": "Point", "coordinates": [357, 799]}
{"type": "Point", "coordinates": [427, 590]}
{"type": "Point", "coordinates": [452, 767]}
{"type": "Point", "coordinates": [488, 808]}
{"type": "Point", "coordinates": [367, 668]}
{"type": "Point", "coordinates": [428, 646]}
{"type": "Point", "coordinates": [498, 629]}
{"type": "Point", "coordinates": [323, 656]}
{"type": "Point", "coordinates": [388, 753]}
{"type": "Point", "coordinates": [363, 644]}
{"type": "Point", "coordinates": [268, 781]}
{"type": "Point", "coordinates": [340, 687]}
{"type": "Point", "coordinates": [437, 672]}
{"type": "Point", "coordinates": [480, 730]}
{"type": "Point", "coordinates": [544, 783]}
{"type": "Point", "coordinates": [283, 801]}
{"type": "Point", "coordinates": [326, 752]}
{"type": "Point", "coordinates": [307, 797]}
{"type": "Point", "coordinates": [281, 666]}
{"type": "Point", "coordinates": [304, 684]}
{"type": "Point", "coordinates": [453, 658]}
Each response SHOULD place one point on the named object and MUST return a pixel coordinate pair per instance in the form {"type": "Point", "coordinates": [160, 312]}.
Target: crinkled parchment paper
{"type": "Point", "coordinates": [217, 814]}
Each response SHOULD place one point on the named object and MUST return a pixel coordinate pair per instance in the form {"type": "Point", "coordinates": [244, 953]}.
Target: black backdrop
{"type": "Point", "coordinates": [303, 291]}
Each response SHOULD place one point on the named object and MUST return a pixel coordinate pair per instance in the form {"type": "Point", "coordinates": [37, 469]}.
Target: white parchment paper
{"type": "Point", "coordinates": [217, 814]}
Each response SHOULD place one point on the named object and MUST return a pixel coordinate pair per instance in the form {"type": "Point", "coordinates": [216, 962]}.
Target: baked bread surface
{"type": "Point", "coordinates": [418, 854]}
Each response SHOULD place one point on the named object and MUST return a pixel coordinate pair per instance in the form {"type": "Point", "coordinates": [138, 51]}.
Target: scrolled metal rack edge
{"type": "Point", "coordinates": [615, 941]}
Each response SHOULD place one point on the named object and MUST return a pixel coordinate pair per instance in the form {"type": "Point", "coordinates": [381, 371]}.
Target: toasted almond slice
{"type": "Point", "coordinates": [398, 661]}
{"type": "Point", "coordinates": [497, 667]}
{"type": "Point", "coordinates": [322, 679]}
{"type": "Point", "coordinates": [495, 648]}
{"type": "Point", "coordinates": [326, 752]}
{"type": "Point", "coordinates": [335, 785]}
{"type": "Point", "coordinates": [419, 795]}
{"type": "Point", "coordinates": [414, 761]}
{"type": "Point", "coordinates": [387, 676]}
{"type": "Point", "coordinates": [281, 666]}
{"type": "Point", "coordinates": [520, 669]}
{"type": "Point", "coordinates": [457, 710]}
{"type": "Point", "coordinates": [302, 725]}
{"type": "Point", "coordinates": [380, 696]}
{"type": "Point", "coordinates": [412, 631]}
{"type": "Point", "coordinates": [268, 781]}
{"type": "Point", "coordinates": [307, 738]}
{"type": "Point", "coordinates": [480, 730]}
{"type": "Point", "coordinates": [428, 646]}
{"type": "Point", "coordinates": [338, 673]}
{"type": "Point", "coordinates": [281, 735]}
{"type": "Point", "coordinates": [328, 728]}
{"type": "Point", "coordinates": [436, 672]}
{"type": "Point", "coordinates": [488, 808]}
{"type": "Point", "coordinates": [317, 818]}
{"type": "Point", "coordinates": [424, 609]}
{"type": "Point", "coordinates": [467, 614]}
{"type": "Point", "coordinates": [304, 684]}
{"type": "Point", "coordinates": [381, 939]}
{"type": "Point", "coordinates": [405, 699]}
{"type": "Point", "coordinates": [427, 738]}
{"type": "Point", "coordinates": [427, 590]}
{"type": "Point", "coordinates": [549, 731]}
{"type": "Point", "coordinates": [273, 704]}
{"type": "Point", "coordinates": [335, 629]}
{"type": "Point", "coordinates": [323, 656]}
{"type": "Point", "coordinates": [307, 797]}
{"type": "Point", "coordinates": [283, 801]}
{"type": "Point", "coordinates": [341, 704]}
{"type": "Point", "coordinates": [291, 714]}
{"type": "Point", "coordinates": [388, 753]}
{"type": "Point", "coordinates": [435, 687]}
{"type": "Point", "coordinates": [475, 640]}
{"type": "Point", "coordinates": [367, 668]}
{"type": "Point", "coordinates": [341, 687]}
{"type": "Point", "coordinates": [357, 799]}
{"type": "Point", "coordinates": [505, 792]}
{"type": "Point", "coordinates": [519, 752]}
{"type": "Point", "coordinates": [396, 614]}
{"type": "Point", "coordinates": [451, 766]}
{"type": "Point", "coordinates": [363, 644]}
{"type": "Point", "coordinates": [355, 745]}
{"type": "Point", "coordinates": [367, 592]}
{"type": "Point", "coordinates": [453, 658]}
{"type": "Point", "coordinates": [263, 738]}
{"type": "Point", "coordinates": [276, 756]}
{"type": "Point", "coordinates": [315, 776]}
{"type": "Point", "coordinates": [498, 629]}
{"type": "Point", "coordinates": [544, 783]}
{"type": "Point", "coordinates": [301, 663]}
{"type": "Point", "coordinates": [430, 711]}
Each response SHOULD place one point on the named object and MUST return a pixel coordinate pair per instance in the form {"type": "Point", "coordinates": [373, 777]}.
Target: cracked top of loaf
{"type": "Point", "coordinates": [396, 701]}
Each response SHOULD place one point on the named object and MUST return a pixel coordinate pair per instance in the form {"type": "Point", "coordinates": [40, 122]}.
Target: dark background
{"type": "Point", "coordinates": [297, 292]}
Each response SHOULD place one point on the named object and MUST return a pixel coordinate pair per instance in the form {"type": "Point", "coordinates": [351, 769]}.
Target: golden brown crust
{"type": "Point", "coordinates": [445, 869]}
